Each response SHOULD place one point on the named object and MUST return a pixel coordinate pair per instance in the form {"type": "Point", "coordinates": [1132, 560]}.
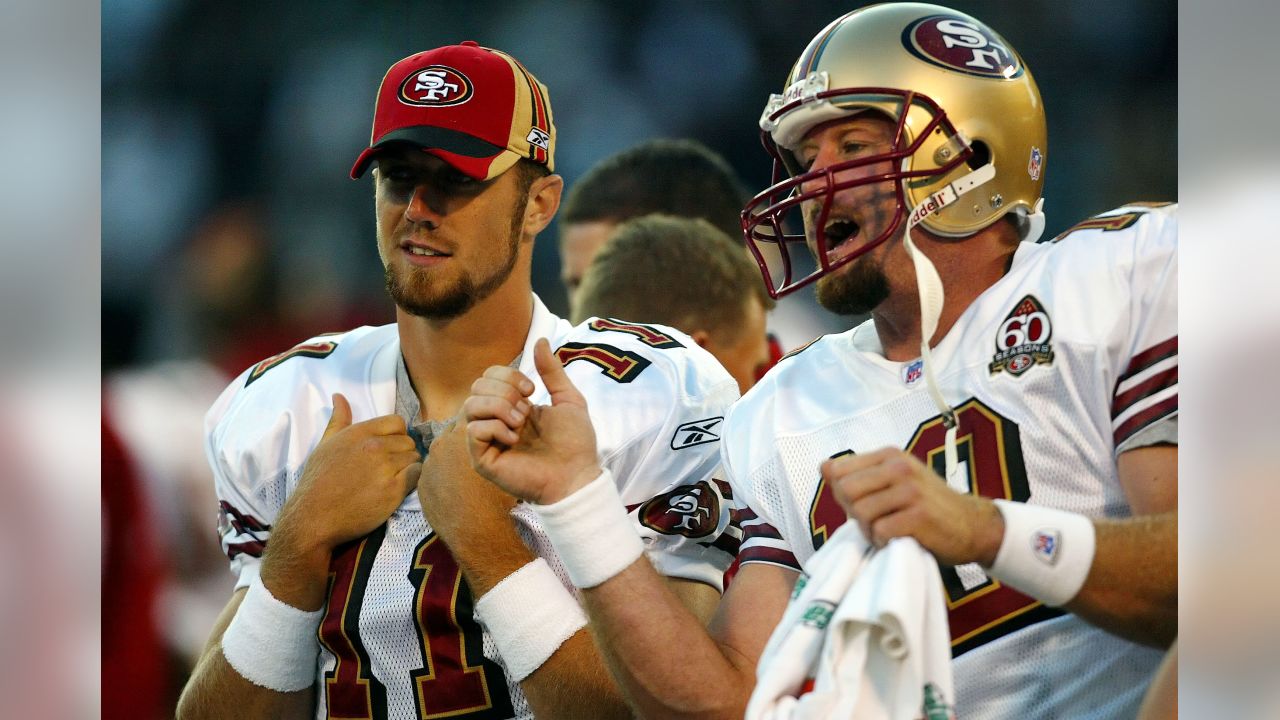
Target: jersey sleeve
{"type": "Point", "coordinates": [245, 503]}
{"type": "Point", "coordinates": [1144, 404]}
{"type": "Point", "coordinates": [258, 435]}
{"type": "Point", "coordinates": [762, 542]}
{"type": "Point", "coordinates": [658, 431]}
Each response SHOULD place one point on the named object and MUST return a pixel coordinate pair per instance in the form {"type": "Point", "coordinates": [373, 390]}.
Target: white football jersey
{"type": "Point", "coordinates": [399, 638]}
{"type": "Point", "coordinates": [1068, 360]}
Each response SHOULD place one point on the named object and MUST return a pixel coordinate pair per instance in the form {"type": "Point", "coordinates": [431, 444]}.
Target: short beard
{"type": "Point", "coordinates": [415, 297]}
{"type": "Point", "coordinates": [855, 291]}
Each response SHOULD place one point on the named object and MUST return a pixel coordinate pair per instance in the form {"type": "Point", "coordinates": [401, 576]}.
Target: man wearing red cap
{"type": "Point", "coordinates": [361, 598]}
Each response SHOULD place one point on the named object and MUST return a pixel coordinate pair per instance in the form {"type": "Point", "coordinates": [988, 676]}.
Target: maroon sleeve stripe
{"type": "Point", "coordinates": [1149, 357]}
{"type": "Point", "coordinates": [1145, 389]}
{"type": "Point", "coordinates": [252, 548]}
{"type": "Point", "coordinates": [1145, 418]}
{"type": "Point", "coordinates": [240, 521]}
{"type": "Point", "coordinates": [773, 556]}
{"type": "Point", "coordinates": [760, 530]}
{"type": "Point", "coordinates": [746, 513]}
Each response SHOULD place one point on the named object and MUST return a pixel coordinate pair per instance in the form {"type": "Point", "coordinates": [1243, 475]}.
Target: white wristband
{"type": "Point", "coordinates": [529, 615]}
{"type": "Point", "coordinates": [1046, 553]}
{"type": "Point", "coordinates": [272, 644]}
{"type": "Point", "coordinates": [591, 532]}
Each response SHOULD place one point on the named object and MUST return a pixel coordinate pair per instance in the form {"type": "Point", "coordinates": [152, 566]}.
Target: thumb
{"type": "Point", "coordinates": [409, 477]}
{"type": "Point", "coordinates": [340, 418]}
{"type": "Point", "coordinates": [558, 384]}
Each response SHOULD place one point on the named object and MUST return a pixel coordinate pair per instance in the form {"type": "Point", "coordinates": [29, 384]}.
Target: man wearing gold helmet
{"type": "Point", "coordinates": [1010, 407]}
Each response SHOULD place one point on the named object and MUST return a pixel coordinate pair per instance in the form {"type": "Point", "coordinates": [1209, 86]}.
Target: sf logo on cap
{"type": "Point", "coordinates": [436, 86]}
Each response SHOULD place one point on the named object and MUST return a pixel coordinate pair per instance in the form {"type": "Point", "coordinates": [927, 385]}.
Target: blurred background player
{"type": "Point", "coordinates": [683, 178]}
{"type": "Point", "coordinates": [1021, 426]}
{"type": "Point", "coordinates": [686, 274]}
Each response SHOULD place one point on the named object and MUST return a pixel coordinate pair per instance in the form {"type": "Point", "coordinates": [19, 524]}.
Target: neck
{"type": "Point", "coordinates": [444, 357]}
{"type": "Point", "coordinates": [967, 268]}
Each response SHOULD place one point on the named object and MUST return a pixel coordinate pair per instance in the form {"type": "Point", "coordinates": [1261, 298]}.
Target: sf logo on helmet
{"type": "Point", "coordinates": [961, 44]}
{"type": "Point", "coordinates": [436, 86]}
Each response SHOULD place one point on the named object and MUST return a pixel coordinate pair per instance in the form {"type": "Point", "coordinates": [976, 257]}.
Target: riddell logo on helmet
{"type": "Point", "coordinates": [933, 204]}
{"type": "Point", "coordinates": [961, 44]}
{"type": "Point", "coordinates": [436, 86]}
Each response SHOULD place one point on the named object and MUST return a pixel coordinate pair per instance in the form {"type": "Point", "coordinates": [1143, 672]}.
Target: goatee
{"type": "Point", "coordinates": [413, 292]}
{"type": "Point", "coordinates": [854, 290]}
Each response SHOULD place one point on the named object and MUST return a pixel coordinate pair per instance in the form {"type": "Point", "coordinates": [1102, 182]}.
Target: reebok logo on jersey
{"type": "Point", "coordinates": [689, 510]}
{"type": "Point", "coordinates": [696, 433]}
{"type": "Point", "coordinates": [1023, 339]}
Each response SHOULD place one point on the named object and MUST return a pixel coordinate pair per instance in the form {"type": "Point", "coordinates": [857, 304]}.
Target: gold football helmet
{"type": "Point", "coordinates": [963, 100]}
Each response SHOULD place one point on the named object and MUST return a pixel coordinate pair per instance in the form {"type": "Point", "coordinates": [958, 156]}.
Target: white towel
{"type": "Point", "coordinates": [869, 629]}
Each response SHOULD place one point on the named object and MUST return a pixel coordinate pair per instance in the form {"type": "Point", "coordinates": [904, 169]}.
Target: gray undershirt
{"type": "Point", "coordinates": [409, 408]}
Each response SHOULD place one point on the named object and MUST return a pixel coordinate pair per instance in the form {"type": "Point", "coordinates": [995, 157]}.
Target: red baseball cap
{"type": "Point", "coordinates": [476, 108]}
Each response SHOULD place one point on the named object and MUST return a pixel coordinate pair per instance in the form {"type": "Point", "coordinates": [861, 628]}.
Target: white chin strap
{"type": "Point", "coordinates": [931, 296]}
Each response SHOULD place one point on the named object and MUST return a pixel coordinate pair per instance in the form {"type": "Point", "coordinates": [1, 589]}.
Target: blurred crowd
{"type": "Point", "coordinates": [230, 230]}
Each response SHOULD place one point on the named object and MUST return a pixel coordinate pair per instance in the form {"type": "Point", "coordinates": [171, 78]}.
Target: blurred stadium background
{"type": "Point", "coordinates": [242, 118]}
{"type": "Point", "coordinates": [230, 229]}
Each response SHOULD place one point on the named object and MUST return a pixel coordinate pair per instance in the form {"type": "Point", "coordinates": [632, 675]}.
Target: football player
{"type": "Point", "coordinates": [688, 274]}
{"type": "Point", "coordinates": [1011, 404]}
{"type": "Point", "coordinates": [379, 575]}
{"type": "Point", "coordinates": [674, 177]}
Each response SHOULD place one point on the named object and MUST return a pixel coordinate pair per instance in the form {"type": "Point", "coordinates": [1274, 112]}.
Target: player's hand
{"type": "Point", "coordinates": [464, 508]}
{"type": "Point", "coordinates": [892, 494]}
{"type": "Point", "coordinates": [538, 453]}
{"type": "Point", "coordinates": [354, 479]}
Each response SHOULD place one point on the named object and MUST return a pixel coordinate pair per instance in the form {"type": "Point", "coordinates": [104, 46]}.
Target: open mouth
{"type": "Point", "coordinates": [839, 232]}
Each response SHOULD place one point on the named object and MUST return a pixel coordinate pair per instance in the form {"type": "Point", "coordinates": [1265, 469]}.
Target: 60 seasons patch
{"type": "Point", "coordinates": [1023, 339]}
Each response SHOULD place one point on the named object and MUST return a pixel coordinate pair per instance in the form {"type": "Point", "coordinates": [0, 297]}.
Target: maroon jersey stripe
{"type": "Point", "coordinates": [1145, 389]}
{"type": "Point", "coordinates": [1145, 418]}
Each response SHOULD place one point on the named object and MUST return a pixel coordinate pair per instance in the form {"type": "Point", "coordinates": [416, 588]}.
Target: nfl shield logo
{"type": "Point", "coordinates": [1035, 163]}
{"type": "Point", "coordinates": [1045, 544]}
{"type": "Point", "coordinates": [912, 373]}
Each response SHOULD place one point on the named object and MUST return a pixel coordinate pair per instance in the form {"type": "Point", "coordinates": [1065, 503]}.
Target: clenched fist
{"type": "Point", "coordinates": [892, 494]}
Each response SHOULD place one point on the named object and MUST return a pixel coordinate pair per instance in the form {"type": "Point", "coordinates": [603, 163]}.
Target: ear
{"type": "Point", "coordinates": [544, 201]}
{"type": "Point", "coordinates": [702, 337]}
